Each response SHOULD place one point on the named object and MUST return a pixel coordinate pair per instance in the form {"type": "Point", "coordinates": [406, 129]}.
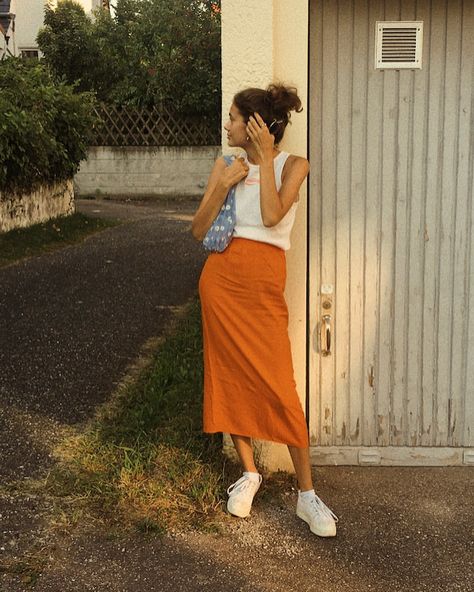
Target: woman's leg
{"type": "Point", "coordinates": [242, 492]}
{"type": "Point", "coordinates": [243, 445]}
{"type": "Point", "coordinates": [300, 458]}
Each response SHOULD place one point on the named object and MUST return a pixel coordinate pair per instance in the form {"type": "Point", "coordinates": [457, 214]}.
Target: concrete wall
{"type": "Point", "coordinates": [265, 41]}
{"type": "Point", "coordinates": [26, 209]}
{"type": "Point", "coordinates": [142, 172]}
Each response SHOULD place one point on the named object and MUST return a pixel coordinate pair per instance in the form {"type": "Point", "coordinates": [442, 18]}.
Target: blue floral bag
{"type": "Point", "coordinates": [220, 233]}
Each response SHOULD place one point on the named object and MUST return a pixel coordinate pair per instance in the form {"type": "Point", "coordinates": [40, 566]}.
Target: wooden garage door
{"type": "Point", "coordinates": [391, 277]}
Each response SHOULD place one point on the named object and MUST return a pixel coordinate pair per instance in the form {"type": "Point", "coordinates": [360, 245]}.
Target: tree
{"type": "Point", "coordinates": [148, 52]}
{"type": "Point", "coordinates": [68, 44]}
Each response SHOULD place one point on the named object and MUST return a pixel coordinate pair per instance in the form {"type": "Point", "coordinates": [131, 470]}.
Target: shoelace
{"type": "Point", "coordinates": [240, 485]}
{"type": "Point", "coordinates": [321, 506]}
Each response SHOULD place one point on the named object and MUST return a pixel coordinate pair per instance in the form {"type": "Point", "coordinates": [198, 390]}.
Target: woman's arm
{"type": "Point", "coordinates": [212, 201]}
{"type": "Point", "coordinates": [273, 204]}
{"type": "Point", "coordinates": [221, 179]}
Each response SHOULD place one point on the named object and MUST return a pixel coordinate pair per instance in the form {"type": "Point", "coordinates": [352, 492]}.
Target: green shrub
{"type": "Point", "coordinates": [45, 126]}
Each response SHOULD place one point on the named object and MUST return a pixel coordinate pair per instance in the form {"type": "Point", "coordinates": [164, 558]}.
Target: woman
{"type": "Point", "coordinates": [249, 387]}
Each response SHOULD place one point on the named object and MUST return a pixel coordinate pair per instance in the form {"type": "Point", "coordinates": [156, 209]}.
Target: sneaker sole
{"type": "Point", "coordinates": [235, 513]}
{"type": "Point", "coordinates": [238, 515]}
{"type": "Point", "coordinates": [330, 533]}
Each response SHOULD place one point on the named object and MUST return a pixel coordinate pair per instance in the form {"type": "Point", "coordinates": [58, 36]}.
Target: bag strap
{"type": "Point", "coordinates": [229, 159]}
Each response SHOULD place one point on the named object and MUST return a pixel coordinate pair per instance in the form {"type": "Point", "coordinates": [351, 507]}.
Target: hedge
{"type": "Point", "coordinates": [45, 126]}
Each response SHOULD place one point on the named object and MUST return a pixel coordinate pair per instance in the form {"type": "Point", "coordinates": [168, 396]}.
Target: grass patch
{"type": "Point", "coordinates": [20, 243]}
{"type": "Point", "coordinates": [144, 462]}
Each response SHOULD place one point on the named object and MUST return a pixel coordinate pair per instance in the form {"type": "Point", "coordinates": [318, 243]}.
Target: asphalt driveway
{"type": "Point", "coordinates": [72, 320]}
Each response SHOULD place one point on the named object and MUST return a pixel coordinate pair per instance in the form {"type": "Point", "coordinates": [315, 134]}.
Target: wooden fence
{"type": "Point", "coordinates": [156, 126]}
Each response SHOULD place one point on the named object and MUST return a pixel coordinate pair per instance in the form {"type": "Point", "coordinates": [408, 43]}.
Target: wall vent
{"type": "Point", "coordinates": [398, 44]}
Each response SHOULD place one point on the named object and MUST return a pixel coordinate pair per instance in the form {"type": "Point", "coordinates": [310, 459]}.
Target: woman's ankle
{"type": "Point", "coordinates": [250, 470]}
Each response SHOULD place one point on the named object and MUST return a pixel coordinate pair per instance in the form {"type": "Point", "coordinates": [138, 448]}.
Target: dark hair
{"type": "Point", "coordinates": [273, 104]}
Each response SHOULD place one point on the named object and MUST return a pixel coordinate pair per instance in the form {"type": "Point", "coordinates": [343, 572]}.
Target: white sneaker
{"type": "Point", "coordinates": [241, 494]}
{"type": "Point", "coordinates": [321, 520]}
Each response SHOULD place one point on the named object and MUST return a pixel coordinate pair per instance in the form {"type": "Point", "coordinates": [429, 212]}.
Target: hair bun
{"type": "Point", "coordinates": [273, 104]}
{"type": "Point", "coordinates": [284, 98]}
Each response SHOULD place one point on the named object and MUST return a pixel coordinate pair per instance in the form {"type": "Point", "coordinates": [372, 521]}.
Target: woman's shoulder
{"type": "Point", "coordinates": [295, 157]}
{"type": "Point", "coordinates": [294, 161]}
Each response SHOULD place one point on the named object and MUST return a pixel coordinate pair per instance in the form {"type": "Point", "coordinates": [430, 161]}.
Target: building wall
{"type": "Point", "coordinates": [28, 20]}
{"type": "Point", "coordinates": [264, 41]}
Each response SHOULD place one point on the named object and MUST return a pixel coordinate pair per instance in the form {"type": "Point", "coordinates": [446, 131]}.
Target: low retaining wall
{"type": "Point", "coordinates": [26, 209]}
{"type": "Point", "coordinates": [145, 171]}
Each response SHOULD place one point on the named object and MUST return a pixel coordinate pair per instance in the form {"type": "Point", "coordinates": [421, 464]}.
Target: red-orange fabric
{"type": "Point", "coordinates": [249, 386]}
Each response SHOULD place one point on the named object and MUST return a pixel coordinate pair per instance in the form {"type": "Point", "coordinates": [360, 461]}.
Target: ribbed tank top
{"type": "Point", "coordinates": [249, 223]}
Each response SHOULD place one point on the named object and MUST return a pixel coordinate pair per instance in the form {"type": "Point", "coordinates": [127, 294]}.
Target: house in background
{"type": "Point", "coordinates": [7, 27]}
{"type": "Point", "coordinates": [380, 282]}
{"type": "Point", "coordinates": [20, 21]}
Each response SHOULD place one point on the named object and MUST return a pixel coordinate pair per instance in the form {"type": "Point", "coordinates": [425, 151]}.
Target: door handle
{"type": "Point", "coordinates": [326, 335]}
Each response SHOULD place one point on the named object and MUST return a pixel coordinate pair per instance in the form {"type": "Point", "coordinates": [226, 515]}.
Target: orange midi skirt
{"type": "Point", "coordinates": [249, 386]}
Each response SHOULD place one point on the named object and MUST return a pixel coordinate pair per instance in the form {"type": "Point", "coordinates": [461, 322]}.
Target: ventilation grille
{"type": "Point", "coordinates": [398, 44]}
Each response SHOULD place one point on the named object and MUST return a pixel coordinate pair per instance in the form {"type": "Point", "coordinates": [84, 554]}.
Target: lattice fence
{"type": "Point", "coordinates": [156, 126]}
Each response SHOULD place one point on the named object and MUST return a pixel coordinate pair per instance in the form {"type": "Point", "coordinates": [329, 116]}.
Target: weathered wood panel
{"type": "Point", "coordinates": [391, 228]}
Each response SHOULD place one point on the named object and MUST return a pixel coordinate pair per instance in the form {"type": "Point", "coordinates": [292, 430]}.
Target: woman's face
{"type": "Point", "coordinates": [236, 128]}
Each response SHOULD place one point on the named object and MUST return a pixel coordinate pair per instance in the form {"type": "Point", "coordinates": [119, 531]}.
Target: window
{"type": "Point", "coordinates": [29, 53]}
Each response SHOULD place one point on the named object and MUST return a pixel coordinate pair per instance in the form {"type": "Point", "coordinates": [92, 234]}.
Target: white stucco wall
{"type": "Point", "coordinates": [262, 42]}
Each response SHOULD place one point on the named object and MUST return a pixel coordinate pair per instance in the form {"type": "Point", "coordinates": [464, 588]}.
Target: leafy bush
{"type": "Point", "coordinates": [148, 53]}
{"type": "Point", "coordinates": [45, 126]}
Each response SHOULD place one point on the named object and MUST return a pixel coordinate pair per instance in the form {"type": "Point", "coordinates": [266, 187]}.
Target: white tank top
{"type": "Point", "coordinates": [249, 223]}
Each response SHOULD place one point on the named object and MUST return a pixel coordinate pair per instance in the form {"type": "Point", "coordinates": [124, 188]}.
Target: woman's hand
{"type": "Point", "coordinates": [261, 138]}
{"type": "Point", "coordinates": [235, 172]}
